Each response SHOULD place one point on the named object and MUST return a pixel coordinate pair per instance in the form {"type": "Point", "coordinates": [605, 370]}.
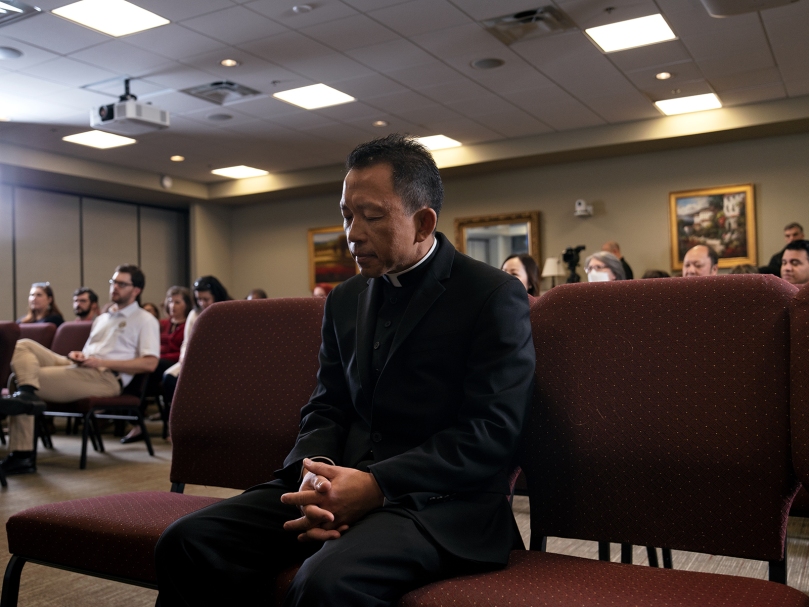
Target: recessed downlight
{"type": "Point", "coordinates": [8, 52]}
{"type": "Point", "coordinates": [489, 63]}
{"type": "Point", "coordinates": [112, 17]}
{"type": "Point", "coordinates": [379, 123]}
{"type": "Point", "coordinates": [220, 117]}
{"type": "Point", "coordinates": [229, 63]}
{"type": "Point", "coordinates": [177, 158]}
{"type": "Point", "coordinates": [300, 9]}
{"type": "Point", "coordinates": [99, 139]}
{"type": "Point", "coordinates": [438, 142]}
{"type": "Point", "coordinates": [631, 33]}
{"type": "Point", "coordinates": [663, 75]}
{"type": "Point", "coordinates": [239, 172]}
{"type": "Point", "coordinates": [685, 105]}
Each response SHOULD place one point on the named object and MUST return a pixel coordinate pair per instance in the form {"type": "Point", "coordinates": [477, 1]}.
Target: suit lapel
{"type": "Point", "coordinates": [367, 305]}
{"type": "Point", "coordinates": [427, 293]}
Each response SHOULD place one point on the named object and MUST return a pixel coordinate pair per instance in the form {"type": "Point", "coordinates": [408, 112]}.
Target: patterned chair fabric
{"type": "Point", "coordinates": [799, 376]}
{"type": "Point", "coordinates": [672, 430]}
{"type": "Point", "coordinates": [40, 332]}
{"type": "Point", "coordinates": [9, 334]}
{"type": "Point", "coordinates": [71, 336]}
{"type": "Point", "coordinates": [249, 369]}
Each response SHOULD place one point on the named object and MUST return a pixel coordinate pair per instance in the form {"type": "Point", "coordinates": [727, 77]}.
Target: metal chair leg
{"type": "Point", "coordinates": [85, 430]}
{"type": "Point", "coordinates": [667, 562]}
{"type": "Point", "coordinates": [778, 569]}
{"type": "Point", "coordinates": [146, 438]}
{"type": "Point", "coordinates": [97, 434]}
{"type": "Point", "coordinates": [603, 551]}
{"type": "Point", "coordinates": [626, 553]}
{"type": "Point", "coordinates": [651, 552]}
{"type": "Point", "coordinates": [11, 582]}
{"type": "Point", "coordinates": [3, 481]}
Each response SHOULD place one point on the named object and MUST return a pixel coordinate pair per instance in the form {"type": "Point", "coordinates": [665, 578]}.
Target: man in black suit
{"type": "Point", "coordinates": [399, 475]}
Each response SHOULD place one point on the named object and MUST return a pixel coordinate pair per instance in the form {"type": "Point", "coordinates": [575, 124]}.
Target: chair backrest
{"type": "Point", "coordinates": [249, 368]}
{"type": "Point", "coordinates": [799, 377]}
{"type": "Point", "coordinates": [71, 336]}
{"type": "Point", "coordinates": [661, 414]}
{"type": "Point", "coordinates": [40, 332]}
{"type": "Point", "coordinates": [9, 334]}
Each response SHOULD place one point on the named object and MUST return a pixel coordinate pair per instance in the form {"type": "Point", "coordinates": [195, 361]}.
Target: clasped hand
{"type": "Point", "coordinates": [331, 498]}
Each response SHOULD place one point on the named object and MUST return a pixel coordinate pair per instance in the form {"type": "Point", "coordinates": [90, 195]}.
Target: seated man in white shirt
{"type": "Point", "coordinates": [123, 342]}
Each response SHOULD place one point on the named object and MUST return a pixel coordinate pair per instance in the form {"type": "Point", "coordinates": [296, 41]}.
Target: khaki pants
{"type": "Point", "coordinates": [57, 380]}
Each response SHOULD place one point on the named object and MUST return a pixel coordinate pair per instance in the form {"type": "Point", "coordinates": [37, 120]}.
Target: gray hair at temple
{"type": "Point", "coordinates": [609, 260]}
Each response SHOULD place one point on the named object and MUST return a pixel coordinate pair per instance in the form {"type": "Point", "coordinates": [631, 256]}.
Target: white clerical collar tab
{"type": "Point", "coordinates": [393, 277]}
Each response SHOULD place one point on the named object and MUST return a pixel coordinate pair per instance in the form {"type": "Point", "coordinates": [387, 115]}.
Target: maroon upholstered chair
{"type": "Point", "coordinates": [40, 332]}
{"type": "Point", "coordinates": [799, 395]}
{"type": "Point", "coordinates": [661, 417]}
{"type": "Point", "coordinates": [249, 368]}
{"type": "Point", "coordinates": [71, 336]}
{"type": "Point", "coordinates": [9, 334]}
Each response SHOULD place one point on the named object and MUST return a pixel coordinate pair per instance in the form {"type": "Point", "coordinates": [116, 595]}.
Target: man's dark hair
{"type": "Point", "coordinates": [798, 245]}
{"type": "Point", "coordinates": [416, 179]}
{"type": "Point", "coordinates": [712, 254]}
{"type": "Point", "coordinates": [794, 224]}
{"type": "Point", "coordinates": [89, 291]}
{"type": "Point", "coordinates": [135, 275]}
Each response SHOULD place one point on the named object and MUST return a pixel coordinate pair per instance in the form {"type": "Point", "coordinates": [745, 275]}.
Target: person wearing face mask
{"type": "Point", "coordinates": [603, 267]}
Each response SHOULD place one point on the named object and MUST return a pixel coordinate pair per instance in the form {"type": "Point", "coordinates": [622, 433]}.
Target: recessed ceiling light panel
{"type": "Point", "coordinates": [239, 172]}
{"type": "Point", "coordinates": [177, 158]}
{"type": "Point", "coordinates": [685, 105]}
{"type": "Point", "coordinates": [111, 17]}
{"type": "Point", "coordinates": [663, 75]}
{"type": "Point", "coordinates": [631, 34]}
{"type": "Point", "coordinates": [314, 96]}
{"type": "Point", "coordinates": [99, 139]}
{"type": "Point", "coordinates": [438, 142]}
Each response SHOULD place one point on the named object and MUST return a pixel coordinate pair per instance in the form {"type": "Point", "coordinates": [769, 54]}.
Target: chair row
{"type": "Point", "coordinates": [666, 413]}
{"type": "Point", "coordinates": [66, 338]}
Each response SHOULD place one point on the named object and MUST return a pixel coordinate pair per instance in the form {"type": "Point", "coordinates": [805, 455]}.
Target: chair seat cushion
{"type": "Point", "coordinates": [113, 534]}
{"type": "Point", "coordinates": [541, 579]}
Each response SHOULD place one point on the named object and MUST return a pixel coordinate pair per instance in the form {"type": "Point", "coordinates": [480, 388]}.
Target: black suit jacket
{"type": "Point", "coordinates": [445, 416]}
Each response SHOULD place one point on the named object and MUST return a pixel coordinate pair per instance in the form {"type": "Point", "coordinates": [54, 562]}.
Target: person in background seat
{"type": "Point", "coordinates": [614, 248]}
{"type": "Point", "coordinates": [795, 262]}
{"type": "Point", "coordinates": [700, 260]}
{"type": "Point", "coordinates": [41, 306]}
{"type": "Point", "coordinates": [85, 304]}
{"type": "Point", "coordinates": [792, 232]}
{"type": "Point", "coordinates": [523, 267]}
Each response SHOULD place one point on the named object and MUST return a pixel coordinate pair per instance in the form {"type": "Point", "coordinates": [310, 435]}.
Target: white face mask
{"type": "Point", "coordinates": [598, 277]}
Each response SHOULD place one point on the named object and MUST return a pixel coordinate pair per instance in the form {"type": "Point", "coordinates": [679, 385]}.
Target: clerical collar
{"type": "Point", "coordinates": [393, 277]}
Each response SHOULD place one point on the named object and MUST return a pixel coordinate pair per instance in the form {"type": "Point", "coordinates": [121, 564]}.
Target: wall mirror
{"type": "Point", "coordinates": [492, 238]}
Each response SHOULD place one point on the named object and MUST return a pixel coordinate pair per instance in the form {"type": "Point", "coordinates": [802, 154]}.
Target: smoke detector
{"type": "Point", "coordinates": [221, 92]}
{"type": "Point", "coordinates": [528, 24]}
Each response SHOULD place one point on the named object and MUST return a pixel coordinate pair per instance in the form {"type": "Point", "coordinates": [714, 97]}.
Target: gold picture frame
{"type": "Point", "coordinates": [722, 217]}
{"type": "Point", "coordinates": [330, 261]}
{"type": "Point", "coordinates": [526, 222]}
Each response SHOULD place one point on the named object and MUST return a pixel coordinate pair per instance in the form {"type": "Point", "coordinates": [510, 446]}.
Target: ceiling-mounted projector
{"type": "Point", "coordinates": [129, 116]}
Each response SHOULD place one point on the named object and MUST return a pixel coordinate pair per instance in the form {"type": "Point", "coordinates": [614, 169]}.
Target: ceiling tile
{"type": "Point", "coordinates": [592, 13]}
{"type": "Point", "coordinates": [253, 71]}
{"type": "Point", "coordinates": [177, 103]}
{"type": "Point", "coordinates": [23, 85]}
{"type": "Point", "coordinates": [347, 112]}
{"type": "Point", "coordinates": [391, 55]}
{"type": "Point", "coordinates": [84, 100]}
{"type": "Point", "coordinates": [513, 123]}
{"type": "Point", "coordinates": [395, 125]}
{"type": "Point", "coordinates": [466, 131]}
{"type": "Point", "coordinates": [458, 90]}
{"type": "Point", "coordinates": [470, 40]}
{"type": "Point", "coordinates": [303, 120]}
{"type": "Point", "coordinates": [174, 41]}
{"type": "Point", "coordinates": [430, 117]}
{"type": "Point", "coordinates": [623, 108]}
{"type": "Point", "coordinates": [32, 55]}
{"type": "Point", "coordinates": [345, 134]}
{"type": "Point", "coordinates": [204, 115]}
{"type": "Point", "coordinates": [369, 86]}
{"type": "Point", "coordinates": [286, 48]}
{"type": "Point", "coordinates": [395, 103]}
{"type": "Point", "coordinates": [753, 78]}
{"type": "Point", "coordinates": [350, 32]}
{"type": "Point", "coordinates": [753, 94]}
{"type": "Point", "coordinates": [267, 107]}
{"type": "Point", "coordinates": [668, 90]}
{"type": "Point", "coordinates": [516, 75]}
{"type": "Point", "coordinates": [481, 105]}
{"type": "Point", "coordinates": [420, 16]}
{"type": "Point", "coordinates": [234, 25]}
{"type": "Point", "coordinates": [369, 5]}
{"type": "Point", "coordinates": [556, 108]}
{"type": "Point", "coordinates": [648, 57]}
{"type": "Point", "coordinates": [178, 76]}
{"type": "Point", "coordinates": [797, 88]}
{"type": "Point", "coordinates": [326, 10]}
{"type": "Point", "coordinates": [329, 68]}
{"type": "Point", "coordinates": [178, 10]}
{"type": "Point", "coordinates": [734, 64]}
{"type": "Point", "coordinates": [70, 72]}
{"type": "Point", "coordinates": [121, 57]}
{"type": "Point", "coordinates": [684, 71]}
{"type": "Point", "coordinates": [426, 75]}
{"type": "Point", "coordinates": [62, 37]}
{"type": "Point", "coordinates": [486, 9]}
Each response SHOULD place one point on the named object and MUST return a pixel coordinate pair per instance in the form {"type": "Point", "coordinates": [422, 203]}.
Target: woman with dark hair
{"type": "Point", "coordinates": [523, 267]}
{"type": "Point", "coordinates": [207, 291]}
{"type": "Point", "coordinates": [177, 306]}
{"type": "Point", "coordinates": [41, 306]}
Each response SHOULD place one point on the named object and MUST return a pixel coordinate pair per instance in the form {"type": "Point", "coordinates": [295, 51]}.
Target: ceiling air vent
{"type": "Point", "coordinates": [222, 92]}
{"type": "Point", "coordinates": [13, 10]}
{"type": "Point", "coordinates": [528, 24]}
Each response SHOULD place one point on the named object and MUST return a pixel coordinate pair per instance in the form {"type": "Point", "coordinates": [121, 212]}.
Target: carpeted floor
{"type": "Point", "coordinates": [129, 468]}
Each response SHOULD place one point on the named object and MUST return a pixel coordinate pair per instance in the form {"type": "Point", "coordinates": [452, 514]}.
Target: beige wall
{"type": "Point", "coordinates": [630, 196]}
{"type": "Point", "coordinates": [210, 230]}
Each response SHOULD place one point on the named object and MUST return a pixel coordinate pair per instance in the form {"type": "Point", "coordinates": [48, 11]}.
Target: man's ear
{"type": "Point", "coordinates": [425, 220]}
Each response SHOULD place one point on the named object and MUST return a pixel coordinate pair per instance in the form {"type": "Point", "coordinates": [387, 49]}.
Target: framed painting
{"type": "Point", "coordinates": [330, 261]}
{"type": "Point", "coordinates": [723, 218]}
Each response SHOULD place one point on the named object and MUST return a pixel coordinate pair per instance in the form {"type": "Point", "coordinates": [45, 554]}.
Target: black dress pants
{"type": "Point", "coordinates": [231, 553]}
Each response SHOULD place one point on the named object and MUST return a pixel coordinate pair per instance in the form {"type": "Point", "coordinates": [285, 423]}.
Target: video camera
{"type": "Point", "coordinates": [571, 258]}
